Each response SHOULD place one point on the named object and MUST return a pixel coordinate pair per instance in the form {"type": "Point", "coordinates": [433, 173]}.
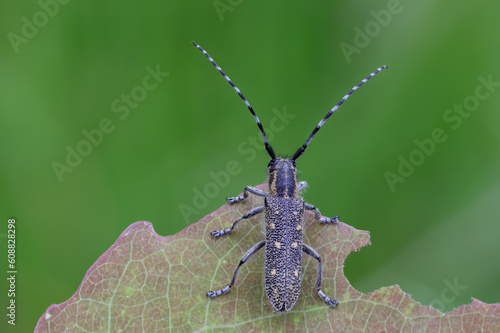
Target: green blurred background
{"type": "Point", "coordinates": [435, 234]}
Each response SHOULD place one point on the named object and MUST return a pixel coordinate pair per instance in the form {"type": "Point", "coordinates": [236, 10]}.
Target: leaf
{"type": "Point", "coordinates": [150, 283]}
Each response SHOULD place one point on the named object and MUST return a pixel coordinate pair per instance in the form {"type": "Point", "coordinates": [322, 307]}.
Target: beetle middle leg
{"type": "Point", "coordinates": [310, 251]}
{"type": "Point", "coordinates": [251, 252]}
{"type": "Point", "coordinates": [248, 214]}
{"type": "Point", "coordinates": [247, 190]}
{"type": "Point", "coordinates": [318, 214]}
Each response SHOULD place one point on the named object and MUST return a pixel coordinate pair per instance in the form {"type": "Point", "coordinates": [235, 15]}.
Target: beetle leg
{"type": "Point", "coordinates": [302, 185]}
{"type": "Point", "coordinates": [249, 214]}
{"type": "Point", "coordinates": [251, 252]}
{"type": "Point", "coordinates": [310, 251]}
{"type": "Point", "coordinates": [247, 189]}
{"type": "Point", "coordinates": [318, 214]}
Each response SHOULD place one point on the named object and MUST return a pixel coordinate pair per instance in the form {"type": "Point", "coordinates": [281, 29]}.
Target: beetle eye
{"type": "Point", "coordinates": [272, 163]}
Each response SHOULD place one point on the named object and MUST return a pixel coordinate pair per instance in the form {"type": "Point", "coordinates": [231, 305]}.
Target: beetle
{"type": "Point", "coordinates": [284, 212]}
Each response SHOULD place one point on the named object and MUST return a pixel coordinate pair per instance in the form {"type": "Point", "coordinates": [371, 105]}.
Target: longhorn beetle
{"type": "Point", "coordinates": [284, 211]}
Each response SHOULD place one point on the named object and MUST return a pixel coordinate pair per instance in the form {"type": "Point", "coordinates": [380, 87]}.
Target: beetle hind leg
{"type": "Point", "coordinates": [330, 301]}
{"type": "Point", "coordinates": [310, 251]}
{"type": "Point", "coordinates": [250, 253]}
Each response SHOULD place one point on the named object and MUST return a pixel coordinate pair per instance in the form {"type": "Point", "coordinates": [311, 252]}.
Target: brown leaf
{"type": "Point", "coordinates": [150, 283]}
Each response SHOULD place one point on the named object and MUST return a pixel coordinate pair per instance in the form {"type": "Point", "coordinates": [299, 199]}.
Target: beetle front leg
{"type": "Point", "coordinates": [318, 217]}
{"type": "Point", "coordinates": [246, 190]}
{"type": "Point", "coordinates": [302, 185]}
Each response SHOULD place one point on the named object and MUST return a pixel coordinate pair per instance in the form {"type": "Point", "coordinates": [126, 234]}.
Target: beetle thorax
{"type": "Point", "coordinates": [282, 177]}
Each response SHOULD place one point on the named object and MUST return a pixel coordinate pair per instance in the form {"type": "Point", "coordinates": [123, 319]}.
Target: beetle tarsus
{"type": "Point", "coordinates": [218, 233]}
{"type": "Point", "coordinates": [215, 293]}
{"type": "Point", "coordinates": [232, 200]}
{"type": "Point", "coordinates": [330, 301]}
{"type": "Point", "coordinates": [329, 219]}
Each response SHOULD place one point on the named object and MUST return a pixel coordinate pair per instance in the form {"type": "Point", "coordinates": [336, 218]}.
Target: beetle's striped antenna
{"type": "Point", "coordinates": [269, 149]}
{"type": "Point", "coordinates": [346, 96]}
